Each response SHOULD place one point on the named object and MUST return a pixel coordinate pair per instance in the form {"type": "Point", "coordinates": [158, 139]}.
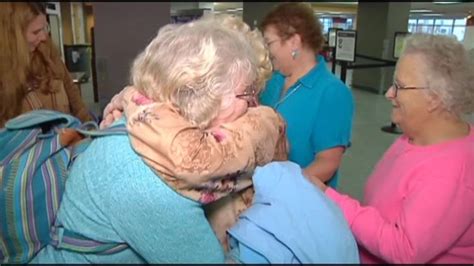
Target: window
{"type": "Point", "coordinates": [425, 25]}
{"type": "Point", "coordinates": [349, 24]}
{"type": "Point", "coordinates": [327, 23]}
{"type": "Point", "coordinates": [443, 26]}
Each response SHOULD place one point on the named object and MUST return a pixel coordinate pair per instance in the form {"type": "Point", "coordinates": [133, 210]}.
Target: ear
{"type": "Point", "coordinates": [295, 41]}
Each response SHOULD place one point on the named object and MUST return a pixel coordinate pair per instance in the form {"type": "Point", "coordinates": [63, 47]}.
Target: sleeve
{"type": "Point", "coordinates": [333, 123]}
{"type": "Point", "coordinates": [198, 156]}
{"type": "Point", "coordinates": [434, 214]}
{"type": "Point", "coordinates": [161, 226]}
{"type": "Point", "coordinates": [78, 108]}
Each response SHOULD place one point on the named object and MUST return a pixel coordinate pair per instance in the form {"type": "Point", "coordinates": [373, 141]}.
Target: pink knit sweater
{"type": "Point", "coordinates": [418, 206]}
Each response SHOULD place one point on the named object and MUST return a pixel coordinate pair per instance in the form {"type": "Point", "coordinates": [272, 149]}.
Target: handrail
{"type": "Point", "coordinates": [346, 65]}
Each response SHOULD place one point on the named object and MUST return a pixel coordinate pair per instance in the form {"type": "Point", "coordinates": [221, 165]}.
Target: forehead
{"type": "Point", "coordinates": [270, 31]}
{"type": "Point", "coordinates": [38, 22]}
{"type": "Point", "coordinates": [410, 68]}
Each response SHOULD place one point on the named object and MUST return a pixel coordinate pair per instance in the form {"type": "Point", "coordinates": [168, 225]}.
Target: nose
{"type": "Point", "coordinates": [43, 36]}
{"type": "Point", "coordinates": [390, 94]}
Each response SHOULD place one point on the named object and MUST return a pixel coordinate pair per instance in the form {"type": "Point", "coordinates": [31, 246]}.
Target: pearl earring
{"type": "Point", "coordinates": [295, 53]}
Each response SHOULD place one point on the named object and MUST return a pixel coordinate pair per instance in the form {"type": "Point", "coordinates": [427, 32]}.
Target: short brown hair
{"type": "Point", "coordinates": [291, 18]}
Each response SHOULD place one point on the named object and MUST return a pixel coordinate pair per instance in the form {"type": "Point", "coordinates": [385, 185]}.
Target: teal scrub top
{"type": "Point", "coordinates": [318, 110]}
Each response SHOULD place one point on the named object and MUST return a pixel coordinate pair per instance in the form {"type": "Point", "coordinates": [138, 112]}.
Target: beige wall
{"type": "Point", "coordinates": [66, 22]}
{"type": "Point", "coordinates": [319, 7]}
{"type": "Point", "coordinates": [89, 17]}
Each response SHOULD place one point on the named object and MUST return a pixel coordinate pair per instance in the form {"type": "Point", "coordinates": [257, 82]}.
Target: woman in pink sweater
{"type": "Point", "coordinates": [419, 201]}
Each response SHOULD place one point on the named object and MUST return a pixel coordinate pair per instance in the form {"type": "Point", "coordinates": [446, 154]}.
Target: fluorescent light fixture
{"type": "Point", "coordinates": [432, 15]}
{"type": "Point", "coordinates": [420, 10]}
{"type": "Point", "coordinates": [446, 3]}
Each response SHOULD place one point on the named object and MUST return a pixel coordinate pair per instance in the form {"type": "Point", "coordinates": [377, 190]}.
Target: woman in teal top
{"type": "Point", "coordinates": [113, 196]}
{"type": "Point", "coordinates": [317, 106]}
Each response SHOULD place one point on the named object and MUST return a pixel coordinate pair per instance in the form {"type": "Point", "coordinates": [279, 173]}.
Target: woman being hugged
{"type": "Point", "coordinates": [32, 74]}
{"type": "Point", "coordinates": [419, 200]}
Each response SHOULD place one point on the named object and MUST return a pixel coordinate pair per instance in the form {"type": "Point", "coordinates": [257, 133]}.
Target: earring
{"type": "Point", "coordinates": [295, 53]}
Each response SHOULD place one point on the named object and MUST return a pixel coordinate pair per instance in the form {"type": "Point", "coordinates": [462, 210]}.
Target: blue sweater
{"type": "Point", "coordinates": [113, 196]}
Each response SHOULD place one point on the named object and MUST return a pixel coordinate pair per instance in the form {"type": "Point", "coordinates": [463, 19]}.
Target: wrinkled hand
{"type": "Point", "coordinates": [113, 111]}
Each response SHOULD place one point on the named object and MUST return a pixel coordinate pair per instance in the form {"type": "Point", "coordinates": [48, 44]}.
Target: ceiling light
{"type": "Point", "coordinates": [432, 15]}
{"type": "Point", "coordinates": [420, 10]}
{"type": "Point", "coordinates": [446, 3]}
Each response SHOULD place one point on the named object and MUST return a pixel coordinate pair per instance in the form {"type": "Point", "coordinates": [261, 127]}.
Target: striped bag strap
{"type": "Point", "coordinates": [65, 239]}
{"type": "Point", "coordinates": [95, 133]}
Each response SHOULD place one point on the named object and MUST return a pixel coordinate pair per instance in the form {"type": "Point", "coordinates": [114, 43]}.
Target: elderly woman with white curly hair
{"type": "Point", "coordinates": [192, 140]}
{"type": "Point", "coordinates": [419, 200]}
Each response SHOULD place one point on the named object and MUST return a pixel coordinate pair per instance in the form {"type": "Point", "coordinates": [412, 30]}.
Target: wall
{"type": "Point", "coordinates": [254, 12]}
{"type": "Point", "coordinates": [376, 25]}
{"type": "Point", "coordinates": [122, 30]}
{"type": "Point", "coordinates": [66, 22]}
{"type": "Point", "coordinates": [89, 17]}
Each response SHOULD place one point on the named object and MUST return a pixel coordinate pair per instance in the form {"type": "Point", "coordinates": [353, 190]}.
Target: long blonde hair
{"type": "Point", "coordinates": [17, 65]}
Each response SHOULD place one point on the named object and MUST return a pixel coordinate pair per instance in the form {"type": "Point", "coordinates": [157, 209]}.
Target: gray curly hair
{"type": "Point", "coordinates": [196, 66]}
{"type": "Point", "coordinates": [449, 71]}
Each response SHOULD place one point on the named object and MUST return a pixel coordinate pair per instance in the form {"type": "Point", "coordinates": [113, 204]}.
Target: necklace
{"type": "Point", "coordinates": [286, 96]}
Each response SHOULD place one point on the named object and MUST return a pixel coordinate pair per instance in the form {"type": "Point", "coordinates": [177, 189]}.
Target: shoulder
{"type": "Point", "coordinates": [115, 174]}
{"type": "Point", "coordinates": [451, 162]}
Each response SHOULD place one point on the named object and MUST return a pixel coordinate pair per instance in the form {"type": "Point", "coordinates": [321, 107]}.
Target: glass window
{"type": "Point", "coordinates": [459, 31]}
{"type": "Point", "coordinates": [444, 22]}
{"type": "Point", "coordinates": [460, 22]}
{"type": "Point", "coordinates": [443, 26]}
{"type": "Point", "coordinates": [349, 25]}
{"type": "Point", "coordinates": [425, 21]}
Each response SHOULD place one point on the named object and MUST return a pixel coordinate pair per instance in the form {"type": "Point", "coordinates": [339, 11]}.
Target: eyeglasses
{"type": "Point", "coordinates": [249, 95]}
{"type": "Point", "coordinates": [397, 87]}
{"type": "Point", "coordinates": [270, 42]}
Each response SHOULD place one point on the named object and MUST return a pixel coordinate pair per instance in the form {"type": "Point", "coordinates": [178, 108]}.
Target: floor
{"type": "Point", "coordinates": [372, 111]}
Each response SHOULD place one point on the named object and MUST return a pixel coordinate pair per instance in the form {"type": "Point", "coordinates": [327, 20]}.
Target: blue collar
{"type": "Point", "coordinates": [313, 75]}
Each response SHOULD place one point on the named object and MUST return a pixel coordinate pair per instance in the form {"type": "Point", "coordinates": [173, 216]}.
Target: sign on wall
{"type": "Point", "coordinates": [399, 43]}
{"type": "Point", "coordinates": [346, 45]}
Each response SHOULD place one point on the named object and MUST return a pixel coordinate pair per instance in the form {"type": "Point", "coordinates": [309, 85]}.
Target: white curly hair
{"type": "Point", "coordinates": [449, 71]}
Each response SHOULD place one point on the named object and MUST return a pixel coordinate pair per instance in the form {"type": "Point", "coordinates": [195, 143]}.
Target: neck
{"type": "Point", "coordinates": [302, 65]}
{"type": "Point", "coordinates": [439, 130]}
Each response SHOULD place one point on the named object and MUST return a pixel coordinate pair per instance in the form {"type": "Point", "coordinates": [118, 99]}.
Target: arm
{"type": "Point", "coordinates": [78, 108]}
{"type": "Point", "coordinates": [325, 164]}
{"type": "Point", "coordinates": [331, 132]}
{"type": "Point", "coordinates": [432, 217]}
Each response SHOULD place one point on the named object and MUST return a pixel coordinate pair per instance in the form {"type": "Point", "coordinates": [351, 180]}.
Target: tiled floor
{"type": "Point", "coordinates": [372, 111]}
{"type": "Point", "coordinates": [368, 141]}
